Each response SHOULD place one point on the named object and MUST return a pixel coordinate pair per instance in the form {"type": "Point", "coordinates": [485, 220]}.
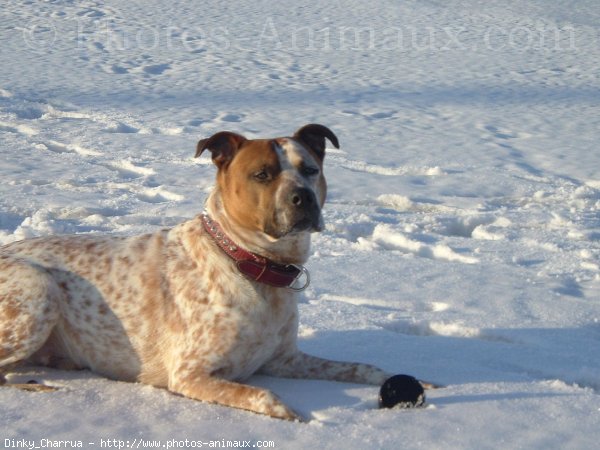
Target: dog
{"type": "Point", "coordinates": [197, 308]}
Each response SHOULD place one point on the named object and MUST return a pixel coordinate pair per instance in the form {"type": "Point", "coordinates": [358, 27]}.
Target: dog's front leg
{"type": "Point", "coordinates": [301, 365]}
{"type": "Point", "coordinates": [228, 393]}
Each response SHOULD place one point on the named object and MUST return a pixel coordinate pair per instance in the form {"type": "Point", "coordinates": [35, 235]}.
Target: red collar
{"type": "Point", "coordinates": [255, 267]}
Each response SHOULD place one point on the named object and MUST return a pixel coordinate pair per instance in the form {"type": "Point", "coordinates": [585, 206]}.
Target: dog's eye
{"type": "Point", "coordinates": [308, 171]}
{"type": "Point", "coordinates": [262, 175]}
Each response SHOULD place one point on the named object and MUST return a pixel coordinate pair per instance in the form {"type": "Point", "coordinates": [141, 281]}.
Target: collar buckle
{"type": "Point", "coordinates": [303, 272]}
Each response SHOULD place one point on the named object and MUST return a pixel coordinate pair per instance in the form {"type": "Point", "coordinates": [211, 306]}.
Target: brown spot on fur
{"type": "Point", "coordinates": [10, 312]}
{"type": "Point", "coordinates": [124, 260]}
{"type": "Point", "coordinates": [6, 335]}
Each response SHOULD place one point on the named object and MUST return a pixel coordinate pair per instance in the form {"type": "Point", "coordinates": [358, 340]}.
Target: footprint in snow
{"type": "Point", "coordinates": [382, 115]}
{"type": "Point", "coordinates": [231, 118]}
{"type": "Point", "coordinates": [156, 69]}
{"type": "Point", "coordinates": [119, 70]}
{"type": "Point", "coordinates": [379, 115]}
{"type": "Point", "coordinates": [197, 122]}
{"type": "Point", "coordinates": [503, 133]}
{"type": "Point", "coordinates": [29, 112]}
{"type": "Point", "coordinates": [91, 13]}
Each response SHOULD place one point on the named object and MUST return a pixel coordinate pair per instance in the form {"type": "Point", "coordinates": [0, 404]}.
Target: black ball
{"type": "Point", "coordinates": [401, 391]}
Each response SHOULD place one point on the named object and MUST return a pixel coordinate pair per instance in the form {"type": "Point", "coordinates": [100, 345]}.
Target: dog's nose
{"type": "Point", "coordinates": [302, 198]}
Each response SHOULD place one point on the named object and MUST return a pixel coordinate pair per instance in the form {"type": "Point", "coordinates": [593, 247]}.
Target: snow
{"type": "Point", "coordinates": [463, 219]}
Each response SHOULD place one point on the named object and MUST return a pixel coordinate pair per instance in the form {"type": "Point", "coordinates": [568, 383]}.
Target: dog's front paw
{"type": "Point", "coordinates": [274, 407]}
{"type": "Point", "coordinates": [285, 413]}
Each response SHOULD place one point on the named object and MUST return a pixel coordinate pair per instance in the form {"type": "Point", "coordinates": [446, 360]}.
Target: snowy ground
{"type": "Point", "coordinates": [463, 236]}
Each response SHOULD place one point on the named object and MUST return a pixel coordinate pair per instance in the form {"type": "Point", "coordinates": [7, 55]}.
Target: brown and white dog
{"type": "Point", "coordinates": [194, 309]}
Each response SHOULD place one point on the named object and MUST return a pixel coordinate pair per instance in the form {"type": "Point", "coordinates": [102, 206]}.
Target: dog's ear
{"type": "Point", "coordinates": [222, 146]}
{"type": "Point", "coordinates": [313, 135]}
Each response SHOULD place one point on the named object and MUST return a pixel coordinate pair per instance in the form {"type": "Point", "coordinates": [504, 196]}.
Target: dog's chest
{"type": "Point", "coordinates": [243, 326]}
{"type": "Point", "coordinates": [231, 326]}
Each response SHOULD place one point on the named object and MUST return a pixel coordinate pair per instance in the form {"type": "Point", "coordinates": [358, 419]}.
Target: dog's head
{"type": "Point", "coordinates": [275, 186]}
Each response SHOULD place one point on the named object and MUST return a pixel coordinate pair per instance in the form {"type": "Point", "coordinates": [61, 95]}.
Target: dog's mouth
{"type": "Point", "coordinates": [308, 224]}
{"type": "Point", "coordinates": [311, 224]}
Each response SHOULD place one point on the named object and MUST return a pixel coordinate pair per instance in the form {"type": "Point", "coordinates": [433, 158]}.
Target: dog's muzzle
{"type": "Point", "coordinates": [306, 212]}
{"type": "Point", "coordinates": [298, 211]}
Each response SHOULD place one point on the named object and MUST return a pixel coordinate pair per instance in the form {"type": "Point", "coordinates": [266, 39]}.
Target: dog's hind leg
{"type": "Point", "coordinates": [29, 310]}
{"type": "Point", "coordinates": [301, 365]}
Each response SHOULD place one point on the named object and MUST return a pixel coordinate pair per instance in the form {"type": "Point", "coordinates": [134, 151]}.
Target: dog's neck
{"type": "Point", "coordinates": [291, 249]}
